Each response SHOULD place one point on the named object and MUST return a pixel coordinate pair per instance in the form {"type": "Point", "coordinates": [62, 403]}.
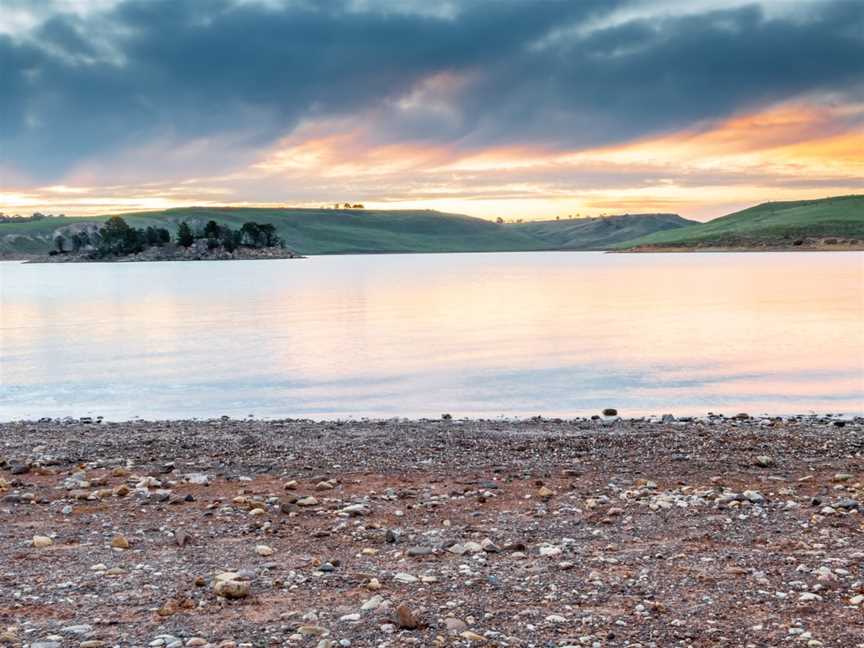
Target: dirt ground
{"type": "Point", "coordinates": [537, 533]}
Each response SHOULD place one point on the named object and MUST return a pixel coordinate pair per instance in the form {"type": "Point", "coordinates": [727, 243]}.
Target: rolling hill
{"type": "Point", "coordinates": [355, 231]}
{"type": "Point", "coordinates": [599, 233]}
{"type": "Point", "coordinates": [327, 231]}
{"type": "Point", "coordinates": [771, 225]}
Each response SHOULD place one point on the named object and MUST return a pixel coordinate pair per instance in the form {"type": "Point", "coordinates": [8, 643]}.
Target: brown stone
{"type": "Point", "coordinates": [405, 618]}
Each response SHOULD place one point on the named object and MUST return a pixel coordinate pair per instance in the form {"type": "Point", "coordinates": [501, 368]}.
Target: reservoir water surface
{"type": "Point", "coordinates": [510, 334]}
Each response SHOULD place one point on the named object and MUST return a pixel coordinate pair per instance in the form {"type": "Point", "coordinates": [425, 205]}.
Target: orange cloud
{"type": "Point", "coordinates": [789, 151]}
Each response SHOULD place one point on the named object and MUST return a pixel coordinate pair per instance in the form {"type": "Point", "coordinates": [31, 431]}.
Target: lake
{"type": "Point", "coordinates": [510, 334]}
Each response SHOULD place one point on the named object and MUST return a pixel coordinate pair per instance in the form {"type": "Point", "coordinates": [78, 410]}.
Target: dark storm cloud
{"type": "Point", "coordinates": [181, 69]}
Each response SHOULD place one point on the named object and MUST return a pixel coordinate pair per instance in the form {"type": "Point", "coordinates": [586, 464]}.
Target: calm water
{"type": "Point", "coordinates": [417, 335]}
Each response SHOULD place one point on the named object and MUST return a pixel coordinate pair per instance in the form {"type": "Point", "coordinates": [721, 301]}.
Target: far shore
{"type": "Point", "coordinates": [168, 254]}
{"type": "Point", "coordinates": [649, 249]}
{"type": "Point", "coordinates": [43, 259]}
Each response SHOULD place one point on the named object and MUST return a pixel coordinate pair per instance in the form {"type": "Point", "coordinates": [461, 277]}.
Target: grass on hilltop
{"type": "Point", "coordinates": [355, 231]}
{"type": "Point", "coordinates": [770, 224]}
{"type": "Point", "coordinates": [599, 233]}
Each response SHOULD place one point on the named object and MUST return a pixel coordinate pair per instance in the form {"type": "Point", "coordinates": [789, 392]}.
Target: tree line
{"type": "Point", "coordinates": [117, 238]}
{"type": "Point", "coordinates": [36, 216]}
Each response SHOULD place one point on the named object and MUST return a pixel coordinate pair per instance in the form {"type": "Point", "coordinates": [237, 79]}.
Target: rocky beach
{"type": "Point", "coordinates": [533, 533]}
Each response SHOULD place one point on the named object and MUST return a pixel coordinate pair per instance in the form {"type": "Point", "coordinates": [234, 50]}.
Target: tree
{"type": "Point", "coordinates": [230, 239]}
{"type": "Point", "coordinates": [251, 234]}
{"type": "Point", "coordinates": [499, 220]}
{"type": "Point", "coordinates": [268, 235]}
{"type": "Point", "coordinates": [184, 235]}
{"type": "Point", "coordinates": [211, 230]}
{"type": "Point", "coordinates": [116, 237]}
{"type": "Point", "coordinates": [156, 236]}
{"type": "Point", "coordinates": [59, 243]}
{"type": "Point", "coordinates": [76, 242]}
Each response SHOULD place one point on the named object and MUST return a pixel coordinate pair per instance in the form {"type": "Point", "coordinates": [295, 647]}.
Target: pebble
{"type": "Point", "coordinates": [313, 631]}
{"type": "Point", "coordinates": [472, 636]}
{"type": "Point", "coordinates": [77, 629]}
{"type": "Point", "coordinates": [405, 618]}
{"type": "Point", "coordinates": [372, 603]}
{"type": "Point", "coordinates": [355, 510]}
{"type": "Point", "coordinates": [230, 586]}
{"type": "Point", "coordinates": [263, 550]}
{"type": "Point", "coordinates": [753, 496]}
{"type": "Point", "coordinates": [40, 541]}
{"type": "Point", "coordinates": [809, 596]}
{"type": "Point", "coordinates": [455, 625]}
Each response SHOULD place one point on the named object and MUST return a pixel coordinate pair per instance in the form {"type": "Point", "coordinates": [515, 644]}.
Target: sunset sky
{"type": "Point", "coordinates": [525, 110]}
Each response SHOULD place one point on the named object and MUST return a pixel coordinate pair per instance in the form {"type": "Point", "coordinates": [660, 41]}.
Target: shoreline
{"type": "Point", "coordinates": [41, 259]}
{"type": "Point", "coordinates": [649, 249]}
{"type": "Point", "coordinates": [709, 250]}
{"type": "Point", "coordinates": [435, 532]}
{"type": "Point", "coordinates": [709, 418]}
{"type": "Point", "coordinates": [264, 255]}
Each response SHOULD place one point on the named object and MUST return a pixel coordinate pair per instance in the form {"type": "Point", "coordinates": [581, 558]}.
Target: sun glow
{"type": "Point", "coordinates": [789, 151]}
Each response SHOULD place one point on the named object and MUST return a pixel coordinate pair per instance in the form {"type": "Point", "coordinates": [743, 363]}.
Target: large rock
{"type": "Point", "coordinates": [229, 586]}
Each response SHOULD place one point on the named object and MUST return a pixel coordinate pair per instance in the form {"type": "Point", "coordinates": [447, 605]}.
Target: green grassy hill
{"type": "Point", "coordinates": [773, 224]}
{"type": "Point", "coordinates": [599, 233]}
{"type": "Point", "coordinates": [326, 231]}
{"type": "Point", "coordinates": [309, 231]}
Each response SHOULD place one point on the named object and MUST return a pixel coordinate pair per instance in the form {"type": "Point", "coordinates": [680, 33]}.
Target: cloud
{"type": "Point", "coordinates": [87, 85]}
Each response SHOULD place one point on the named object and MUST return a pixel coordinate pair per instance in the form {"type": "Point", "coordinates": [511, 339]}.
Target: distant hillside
{"type": "Point", "coordinates": [327, 231]}
{"type": "Point", "coordinates": [309, 231]}
{"type": "Point", "coordinates": [599, 233]}
{"type": "Point", "coordinates": [835, 221]}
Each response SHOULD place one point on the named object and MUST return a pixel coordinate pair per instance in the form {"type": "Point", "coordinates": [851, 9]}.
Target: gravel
{"type": "Point", "coordinates": [709, 531]}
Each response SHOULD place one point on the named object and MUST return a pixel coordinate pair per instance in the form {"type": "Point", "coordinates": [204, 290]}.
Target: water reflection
{"type": "Point", "coordinates": [473, 334]}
